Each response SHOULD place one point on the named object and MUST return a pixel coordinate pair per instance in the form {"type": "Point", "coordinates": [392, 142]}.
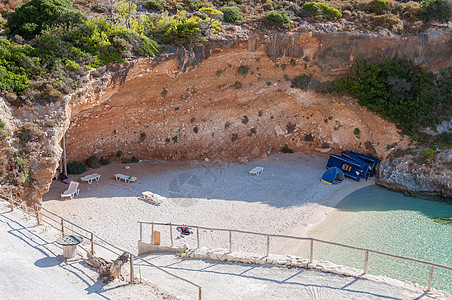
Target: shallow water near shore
{"type": "Point", "coordinates": [382, 220]}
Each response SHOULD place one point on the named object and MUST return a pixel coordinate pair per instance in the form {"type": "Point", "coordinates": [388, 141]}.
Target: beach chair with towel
{"type": "Point", "coordinates": [153, 197]}
{"type": "Point", "coordinates": [256, 171]}
{"type": "Point", "coordinates": [126, 178]}
{"type": "Point", "coordinates": [90, 178]}
{"type": "Point", "coordinates": [71, 191]}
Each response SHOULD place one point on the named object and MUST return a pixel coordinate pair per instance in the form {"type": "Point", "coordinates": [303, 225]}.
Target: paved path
{"type": "Point", "coordinates": [29, 268]}
{"type": "Point", "coordinates": [242, 281]}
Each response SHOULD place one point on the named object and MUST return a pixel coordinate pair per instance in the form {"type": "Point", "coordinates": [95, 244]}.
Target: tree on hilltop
{"type": "Point", "coordinates": [29, 19]}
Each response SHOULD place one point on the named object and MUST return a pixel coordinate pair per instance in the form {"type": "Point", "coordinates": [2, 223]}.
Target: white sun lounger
{"type": "Point", "coordinates": [126, 178]}
{"type": "Point", "coordinates": [71, 191]}
{"type": "Point", "coordinates": [256, 171]}
{"type": "Point", "coordinates": [90, 178]}
{"type": "Point", "coordinates": [152, 197]}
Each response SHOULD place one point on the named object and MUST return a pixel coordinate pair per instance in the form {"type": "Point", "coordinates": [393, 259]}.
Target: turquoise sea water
{"type": "Point", "coordinates": [378, 219]}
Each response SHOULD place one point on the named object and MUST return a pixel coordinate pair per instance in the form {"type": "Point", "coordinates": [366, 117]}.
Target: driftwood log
{"type": "Point", "coordinates": [110, 269]}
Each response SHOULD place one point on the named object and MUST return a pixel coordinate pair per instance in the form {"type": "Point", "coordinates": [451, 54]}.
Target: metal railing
{"type": "Point", "coordinates": [311, 249]}
{"type": "Point", "coordinates": [38, 213]}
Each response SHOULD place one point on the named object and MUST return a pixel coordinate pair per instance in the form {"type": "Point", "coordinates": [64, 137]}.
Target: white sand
{"type": "Point", "coordinates": [286, 198]}
{"type": "Point", "coordinates": [205, 193]}
{"type": "Point", "coordinates": [30, 270]}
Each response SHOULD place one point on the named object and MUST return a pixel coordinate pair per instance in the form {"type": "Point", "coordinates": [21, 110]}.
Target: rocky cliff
{"type": "Point", "coordinates": [230, 98]}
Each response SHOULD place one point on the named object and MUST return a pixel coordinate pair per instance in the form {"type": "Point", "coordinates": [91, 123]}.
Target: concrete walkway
{"type": "Point", "coordinates": [30, 267]}
{"type": "Point", "coordinates": [221, 280]}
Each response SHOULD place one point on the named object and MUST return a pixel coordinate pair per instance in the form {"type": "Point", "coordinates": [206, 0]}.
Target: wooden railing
{"type": "Point", "coordinates": [44, 215]}
{"type": "Point", "coordinates": [311, 252]}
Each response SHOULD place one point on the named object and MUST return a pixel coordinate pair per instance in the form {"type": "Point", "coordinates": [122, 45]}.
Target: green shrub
{"type": "Point", "coordinates": [104, 161]}
{"type": "Point", "coordinates": [440, 10]}
{"type": "Point", "coordinates": [243, 70]}
{"type": "Point", "coordinates": [428, 153]}
{"type": "Point", "coordinates": [278, 18]}
{"type": "Point", "coordinates": [3, 133]}
{"type": "Point", "coordinates": [398, 90]}
{"type": "Point", "coordinates": [378, 6]}
{"type": "Point", "coordinates": [325, 9]}
{"type": "Point", "coordinates": [15, 65]}
{"type": "Point", "coordinates": [178, 29]}
{"type": "Point", "coordinates": [76, 168]}
{"type": "Point", "coordinates": [301, 82]}
{"type": "Point", "coordinates": [231, 14]}
{"type": "Point", "coordinates": [29, 19]}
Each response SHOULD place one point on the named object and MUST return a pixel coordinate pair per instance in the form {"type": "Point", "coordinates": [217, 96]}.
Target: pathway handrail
{"type": "Point", "coordinates": [386, 254]}
{"type": "Point", "coordinates": [174, 275]}
{"type": "Point", "coordinates": [301, 238]}
{"type": "Point", "coordinates": [11, 200]}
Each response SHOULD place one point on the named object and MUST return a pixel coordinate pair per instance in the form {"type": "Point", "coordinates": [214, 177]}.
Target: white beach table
{"type": "Point", "coordinates": [90, 178]}
{"type": "Point", "coordinates": [256, 171]}
{"type": "Point", "coordinates": [69, 243]}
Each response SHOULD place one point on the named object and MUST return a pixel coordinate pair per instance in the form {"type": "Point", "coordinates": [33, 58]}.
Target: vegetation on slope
{"type": "Point", "coordinates": [401, 92]}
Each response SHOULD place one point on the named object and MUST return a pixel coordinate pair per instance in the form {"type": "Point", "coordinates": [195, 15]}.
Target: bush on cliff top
{"type": "Point", "coordinates": [61, 49]}
{"type": "Point", "coordinates": [277, 18]}
{"type": "Point", "coordinates": [378, 6]}
{"type": "Point", "coordinates": [440, 10]}
{"type": "Point", "coordinates": [325, 9]}
{"type": "Point", "coordinates": [29, 19]}
{"type": "Point", "coordinates": [232, 14]}
{"type": "Point", "coordinates": [400, 91]}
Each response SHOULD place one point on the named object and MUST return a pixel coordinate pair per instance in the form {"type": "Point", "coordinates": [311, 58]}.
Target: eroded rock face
{"type": "Point", "coordinates": [231, 98]}
{"type": "Point", "coordinates": [42, 156]}
{"type": "Point", "coordinates": [408, 174]}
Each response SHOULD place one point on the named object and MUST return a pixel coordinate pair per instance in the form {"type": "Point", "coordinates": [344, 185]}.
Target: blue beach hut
{"type": "Point", "coordinates": [351, 168]}
{"type": "Point", "coordinates": [332, 176]}
{"type": "Point", "coordinates": [372, 161]}
{"type": "Point", "coordinates": [352, 155]}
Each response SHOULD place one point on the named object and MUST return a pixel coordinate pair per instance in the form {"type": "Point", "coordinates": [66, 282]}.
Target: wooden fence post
{"type": "Point", "coordinates": [430, 278]}
{"type": "Point", "coordinates": [171, 233]}
{"type": "Point", "coordinates": [268, 245]}
{"type": "Point", "coordinates": [12, 205]}
{"type": "Point", "coordinates": [141, 231]}
{"type": "Point", "coordinates": [366, 262]}
{"type": "Point", "coordinates": [62, 226]}
{"type": "Point", "coordinates": [92, 244]}
{"type": "Point", "coordinates": [311, 255]}
{"type": "Point", "coordinates": [197, 236]}
{"type": "Point", "coordinates": [131, 269]}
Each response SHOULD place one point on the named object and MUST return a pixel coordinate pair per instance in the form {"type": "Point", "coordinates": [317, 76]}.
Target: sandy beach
{"type": "Point", "coordinates": [287, 198]}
